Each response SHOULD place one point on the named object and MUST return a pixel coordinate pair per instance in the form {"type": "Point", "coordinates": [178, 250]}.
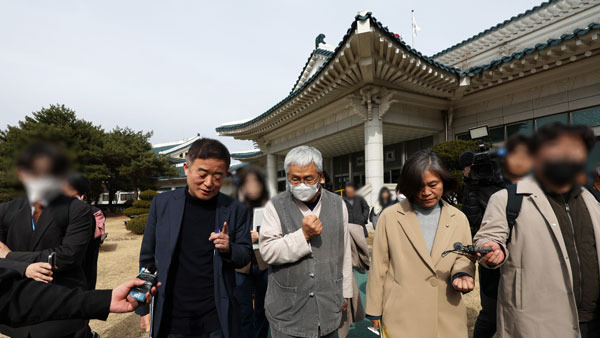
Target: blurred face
{"type": "Point", "coordinates": [39, 182]}
{"type": "Point", "coordinates": [518, 163]}
{"type": "Point", "coordinates": [559, 161]}
{"type": "Point", "coordinates": [205, 176]}
{"type": "Point", "coordinates": [385, 196]}
{"type": "Point", "coordinates": [70, 191]}
{"type": "Point", "coordinates": [252, 188]}
{"type": "Point", "coordinates": [350, 192]}
{"type": "Point", "coordinates": [432, 191]}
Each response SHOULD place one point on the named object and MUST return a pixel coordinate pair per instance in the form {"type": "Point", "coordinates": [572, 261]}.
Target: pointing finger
{"type": "Point", "coordinates": [225, 231]}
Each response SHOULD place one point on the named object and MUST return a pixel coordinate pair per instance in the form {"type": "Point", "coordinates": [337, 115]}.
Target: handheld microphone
{"type": "Point", "coordinates": [469, 250]}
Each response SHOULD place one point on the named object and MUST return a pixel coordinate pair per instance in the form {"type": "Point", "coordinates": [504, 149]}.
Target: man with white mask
{"type": "Point", "coordinates": [46, 223]}
{"type": "Point", "coordinates": [309, 252]}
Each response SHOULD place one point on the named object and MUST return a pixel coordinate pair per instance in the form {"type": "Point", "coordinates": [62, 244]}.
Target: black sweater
{"type": "Point", "coordinates": [191, 302]}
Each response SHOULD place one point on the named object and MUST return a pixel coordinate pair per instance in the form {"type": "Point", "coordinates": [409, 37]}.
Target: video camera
{"type": "Point", "coordinates": [485, 166]}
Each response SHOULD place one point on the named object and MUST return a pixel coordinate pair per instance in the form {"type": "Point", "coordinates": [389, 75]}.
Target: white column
{"type": "Point", "coordinates": [374, 155]}
{"type": "Point", "coordinates": [272, 174]}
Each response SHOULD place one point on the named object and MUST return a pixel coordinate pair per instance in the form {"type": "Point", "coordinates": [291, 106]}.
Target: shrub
{"type": "Point", "coordinates": [142, 204]}
{"type": "Point", "coordinates": [449, 153]}
{"type": "Point", "coordinates": [133, 211]}
{"type": "Point", "coordinates": [137, 225]}
{"type": "Point", "coordinates": [451, 150]}
{"type": "Point", "coordinates": [147, 195]}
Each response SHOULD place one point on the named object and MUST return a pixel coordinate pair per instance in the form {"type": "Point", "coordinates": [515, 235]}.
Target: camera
{"type": "Point", "coordinates": [485, 168]}
{"type": "Point", "coordinates": [150, 277]}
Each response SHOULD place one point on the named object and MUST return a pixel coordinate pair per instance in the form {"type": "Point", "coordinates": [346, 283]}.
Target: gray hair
{"type": "Point", "coordinates": [303, 156]}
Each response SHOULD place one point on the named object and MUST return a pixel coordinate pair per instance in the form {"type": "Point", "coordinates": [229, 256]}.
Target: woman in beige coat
{"type": "Point", "coordinates": [413, 291]}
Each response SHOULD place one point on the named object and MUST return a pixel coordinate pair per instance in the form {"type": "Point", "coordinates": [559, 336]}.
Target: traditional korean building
{"type": "Point", "coordinates": [372, 100]}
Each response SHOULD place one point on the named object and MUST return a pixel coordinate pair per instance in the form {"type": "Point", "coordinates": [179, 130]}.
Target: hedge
{"type": "Point", "coordinates": [147, 195]}
{"type": "Point", "coordinates": [137, 225]}
{"type": "Point", "coordinates": [133, 211]}
{"type": "Point", "coordinates": [142, 204]}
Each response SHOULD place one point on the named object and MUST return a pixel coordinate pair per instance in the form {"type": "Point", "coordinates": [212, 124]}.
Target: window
{"type": "Point", "coordinates": [589, 117]}
{"type": "Point", "coordinates": [563, 118]}
{"type": "Point", "coordinates": [524, 128]}
{"type": "Point", "coordinates": [463, 136]}
{"type": "Point", "coordinates": [126, 197]}
{"type": "Point", "coordinates": [496, 135]}
{"type": "Point", "coordinates": [594, 156]}
{"type": "Point", "coordinates": [390, 156]}
{"type": "Point", "coordinates": [281, 186]}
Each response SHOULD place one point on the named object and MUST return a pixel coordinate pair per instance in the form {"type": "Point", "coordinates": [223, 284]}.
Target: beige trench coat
{"type": "Point", "coordinates": [410, 288]}
{"type": "Point", "coordinates": [535, 297]}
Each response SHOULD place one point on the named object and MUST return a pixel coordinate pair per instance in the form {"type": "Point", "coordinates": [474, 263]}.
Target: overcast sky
{"type": "Point", "coordinates": [184, 67]}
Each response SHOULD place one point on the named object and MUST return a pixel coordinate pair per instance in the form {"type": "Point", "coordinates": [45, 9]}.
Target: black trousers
{"type": "Point", "coordinates": [590, 329]}
{"type": "Point", "coordinates": [485, 325]}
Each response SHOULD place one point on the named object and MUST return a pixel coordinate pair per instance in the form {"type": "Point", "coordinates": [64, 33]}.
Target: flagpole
{"type": "Point", "coordinates": [412, 27]}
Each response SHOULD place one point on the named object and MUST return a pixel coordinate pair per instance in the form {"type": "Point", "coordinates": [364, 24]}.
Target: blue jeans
{"type": "Point", "coordinates": [214, 334]}
{"type": "Point", "coordinates": [254, 322]}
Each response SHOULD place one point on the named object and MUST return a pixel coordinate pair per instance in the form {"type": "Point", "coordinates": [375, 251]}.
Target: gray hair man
{"type": "Point", "coordinates": [309, 252]}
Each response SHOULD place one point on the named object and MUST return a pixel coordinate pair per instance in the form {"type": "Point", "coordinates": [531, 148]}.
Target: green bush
{"type": "Point", "coordinates": [451, 150]}
{"type": "Point", "coordinates": [147, 195]}
{"type": "Point", "coordinates": [449, 153]}
{"type": "Point", "coordinates": [137, 225]}
{"type": "Point", "coordinates": [142, 204]}
{"type": "Point", "coordinates": [133, 211]}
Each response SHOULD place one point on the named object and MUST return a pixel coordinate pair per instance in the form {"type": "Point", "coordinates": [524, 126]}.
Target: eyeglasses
{"type": "Point", "coordinates": [308, 180]}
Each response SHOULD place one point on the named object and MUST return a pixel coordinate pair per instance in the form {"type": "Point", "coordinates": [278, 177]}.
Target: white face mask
{"type": "Point", "coordinates": [304, 192]}
{"type": "Point", "coordinates": [42, 188]}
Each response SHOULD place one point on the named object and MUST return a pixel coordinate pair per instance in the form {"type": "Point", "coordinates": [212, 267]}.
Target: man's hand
{"type": "Point", "coordinates": [463, 283]}
{"type": "Point", "coordinates": [254, 236]}
{"type": "Point", "coordinates": [345, 306]}
{"type": "Point", "coordinates": [4, 250]}
{"type": "Point", "coordinates": [145, 323]}
{"type": "Point", "coordinates": [311, 227]}
{"type": "Point", "coordinates": [375, 323]}
{"type": "Point", "coordinates": [122, 302]}
{"type": "Point", "coordinates": [494, 257]}
{"type": "Point", "coordinates": [41, 272]}
{"type": "Point", "coordinates": [221, 239]}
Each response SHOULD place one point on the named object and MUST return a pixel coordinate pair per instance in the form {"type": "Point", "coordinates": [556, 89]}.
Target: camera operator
{"type": "Point", "coordinates": [515, 164]}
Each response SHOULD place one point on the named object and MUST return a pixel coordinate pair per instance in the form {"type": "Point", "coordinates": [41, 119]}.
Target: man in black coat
{"type": "Point", "coordinates": [196, 237]}
{"type": "Point", "coordinates": [27, 302]}
{"type": "Point", "coordinates": [45, 222]}
{"type": "Point", "coordinates": [358, 208]}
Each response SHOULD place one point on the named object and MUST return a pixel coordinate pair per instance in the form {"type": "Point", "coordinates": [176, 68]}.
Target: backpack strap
{"type": "Point", "coordinates": [513, 208]}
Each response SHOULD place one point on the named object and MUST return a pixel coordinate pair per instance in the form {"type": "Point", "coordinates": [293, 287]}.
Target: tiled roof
{"type": "Point", "coordinates": [247, 154]}
{"type": "Point", "coordinates": [159, 149]}
{"type": "Point", "coordinates": [340, 44]}
{"type": "Point", "coordinates": [496, 27]}
{"type": "Point", "coordinates": [324, 52]}
{"type": "Point", "coordinates": [540, 46]}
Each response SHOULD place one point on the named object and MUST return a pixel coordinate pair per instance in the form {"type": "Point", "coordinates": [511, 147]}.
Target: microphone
{"type": "Point", "coordinates": [468, 249]}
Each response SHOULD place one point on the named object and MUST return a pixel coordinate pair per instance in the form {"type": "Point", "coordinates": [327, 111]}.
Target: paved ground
{"type": "Point", "coordinates": [359, 330]}
{"type": "Point", "coordinates": [118, 262]}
